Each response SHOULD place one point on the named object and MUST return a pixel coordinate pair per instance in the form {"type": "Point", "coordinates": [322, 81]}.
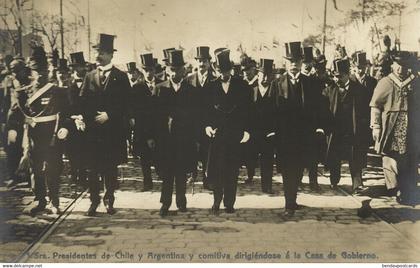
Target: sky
{"type": "Point", "coordinates": [142, 25]}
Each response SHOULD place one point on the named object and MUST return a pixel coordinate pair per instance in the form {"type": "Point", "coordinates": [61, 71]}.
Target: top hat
{"type": "Point", "coordinates": [38, 59]}
{"type": "Point", "coordinates": [341, 66]}
{"type": "Point", "coordinates": [293, 51]}
{"type": "Point", "coordinates": [404, 58]}
{"type": "Point", "coordinates": [359, 59]}
{"type": "Point", "coordinates": [217, 50]}
{"type": "Point", "coordinates": [266, 66]}
{"type": "Point", "coordinates": [105, 42]}
{"type": "Point", "coordinates": [175, 58]}
{"type": "Point", "coordinates": [247, 63]}
{"type": "Point", "coordinates": [308, 55]}
{"type": "Point", "coordinates": [320, 60]}
{"type": "Point", "coordinates": [223, 61]}
{"type": "Point", "coordinates": [203, 53]}
{"type": "Point", "coordinates": [147, 60]}
{"type": "Point", "coordinates": [62, 65]}
{"type": "Point", "coordinates": [77, 58]}
{"type": "Point", "coordinates": [131, 66]}
{"type": "Point", "coordinates": [166, 53]}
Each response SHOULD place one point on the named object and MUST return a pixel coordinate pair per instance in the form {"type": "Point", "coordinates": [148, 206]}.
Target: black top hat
{"type": "Point", "coordinates": [203, 53]}
{"type": "Point", "coordinates": [175, 58]}
{"type": "Point", "coordinates": [404, 58]}
{"type": "Point", "coordinates": [247, 63]}
{"type": "Point", "coordinates": [308, 55]}
{"type": "Point", "coordinates": [166, 53]}
{"type": "Point", "coordinates": [105, 42]}
{"type": "Point", "coordinates": [293, 51]}
{"type": "Point", "coordinates": [359, 59]}
{"type": "Point", "coordinates": [38, 59]}
{"type": "Point", "coordinates": [131, 66]}
{"type": "Point", "coordinates": [223, 61]}
{"type": "Point", "coordinates": [147, 60]}
{"type": "Point", "coordinates": [62, 65]}
{"type": "Point", "coordinates": [266, 66]}
{"type": "Point", "coordinates": [341, 66]}
{"type": "Point", "coordinates": [320, 60]}
{"type": "Point", "coordinates": [217, 50]}
{"type": "Point", "coordinates": [77, 58]}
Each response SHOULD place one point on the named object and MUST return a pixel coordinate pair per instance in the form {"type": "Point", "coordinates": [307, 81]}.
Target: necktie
{"type": "Point", "coordinates": [102, 75]}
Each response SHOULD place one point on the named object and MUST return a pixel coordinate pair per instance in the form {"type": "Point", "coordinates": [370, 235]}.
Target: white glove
{"type": "Point", "coordinates": [78, 120]}
{"type": "Point", "coordinates": [62, 133]}
{"type": "Point", "coordinates": [210, 132]}
{"type": "Point", "coordinates": [320, 130]}
{"type": "Point", "coordinates": [11, 136]}
{"type": "Point", "coordinates": [270, 134]}
{"type": "Point", "coordinates": [101, 118]}
{"type": "Point", "coordinates": [246, 137]}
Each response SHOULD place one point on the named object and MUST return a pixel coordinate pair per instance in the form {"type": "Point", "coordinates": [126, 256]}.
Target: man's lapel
{"type": "Point", "coordinates": [97, 78]}
{"type": "Point", "coordinates": [109, 78]}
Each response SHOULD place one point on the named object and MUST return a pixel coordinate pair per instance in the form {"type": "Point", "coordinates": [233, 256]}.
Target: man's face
{"type": "Point", "coordinates": [264, 78]}
{"type": "Point", "coordinates": [149, 73]}
{"type": "Point", "coordinates": [103, 57]}
{"type": "Point", "coordinates": [306, 67]}
{"type": "Point", "coordinates": [399, 70]}
{"type": "Point", "coordinates": [341, 79]}
{"type": "Point", "coordinates": [63, 76]}
{"type": "Point", "coordinates": [176, 73]}
{"type": "Point", "coordinates": [203, 65]}
{"type": "Point", "coordinates": [249, 73]}
{"type": "Point", "coordinates": [80, 70]}
{"type": "Point", "coordinates": [224, 75]}
{"type": "Point", "coordinates": [360, 70]}
{"type": "Point", "coordinates": [294, 66]}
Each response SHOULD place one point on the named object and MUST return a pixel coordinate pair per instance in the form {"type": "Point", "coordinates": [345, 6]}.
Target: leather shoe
{"type": "Point", "coordinates": [230, 210]}
{"type": "Point", "coordinates": [182, 209]}
{"type": "Point", "coordinates": [92, 210]}
{"type": "Point", "coordinates": [215, 210]}
{"type": "Point", "coordinates": [289, 212]}
{"type": "Point", "coordinates": [164, 211]}
{"type": "Point", "coordinates": [268, 191]}
{"type": "Point", "coordinates": [147, 187]}
{"type": "Point", "coordinates": [111, 211]}
{"type": "Point", "coordinates": [38, 208]}
{"type": "Point", "coordinates": [314, 187]}
{"type": "Point", "coordinates": [334, 187]}
{"type": "Point", "coordinates": [56, 210]}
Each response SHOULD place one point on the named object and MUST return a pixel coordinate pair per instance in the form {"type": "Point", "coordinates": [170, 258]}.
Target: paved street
{"type": "Point", "coordinates": [327, 229]}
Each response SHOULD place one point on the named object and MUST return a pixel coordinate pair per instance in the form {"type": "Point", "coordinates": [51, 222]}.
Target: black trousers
{"type": "Point", "coordinates": [180, 180]}
{"type": "Point", "coordinates": [292, 172]}
{"type": "Point", "coordinates": [109, 176]}
{"type": "Point", "coordinates": [14, 154]}
{"type": "Point", "coordinates": [261, 148]}
{"type": "Point", "coordinates": [47, 166]}
{"type": "Point", "coordinates": [355, 172]}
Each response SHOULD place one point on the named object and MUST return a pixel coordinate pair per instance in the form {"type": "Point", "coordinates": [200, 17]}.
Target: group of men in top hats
{"type": "Point", "coordinates": [213, 116]}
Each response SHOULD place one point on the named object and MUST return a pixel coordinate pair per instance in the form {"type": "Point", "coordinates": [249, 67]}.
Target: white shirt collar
{"type": "Point", "coordinates": [262, 89]}
{"type": "Point", "coordinates": [176, 86]}
{"type": "Point", "coordinates": [294, 77]}
{"type": "Point", "coordinates": [106, 67]}
{"type": "Point", "coordinates": [225, 85]}
{"type": "Point", "coordinates": [252, 80]}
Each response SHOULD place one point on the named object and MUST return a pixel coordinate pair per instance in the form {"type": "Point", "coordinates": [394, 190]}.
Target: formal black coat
{"type": "Point", "coordinates": [360, 121]}
{"type": "Point", "coordinates": [106, 142]}
{"type": "Point", "coordinates": [143, 101]}
{"type": "Point", "coordinates": [173, 127]}
{"type": "Point", "coordinates": [298, 117]}
{"type": "Point", "coordinates": [229, 113]}
{"type": "Point", "coordinates": [263, 109]}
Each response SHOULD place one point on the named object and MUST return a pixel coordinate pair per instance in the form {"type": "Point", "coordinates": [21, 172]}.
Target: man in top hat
{"type": "Point", "coordinates": [263, 111]}
{"type": "Point", "coordinates": [103, 108]}
{"type": "Point", "coordinates": [43, 107]}
{"type": "Point", "coordinates": [142, 105]}
{"type": "Point", "coordinates": [249, 70]}
{"type": "Point", "coordinates": [360, 63]}
{"type": "Point", "coordinates": [174, 127]}
{"type": "Point", "coordinates": [298, 123]}
{"type": "Point", "coordinates": [201, 80]}
{"type": "Point", "coordinates": [307, 62]}
{"type": "Point", "coordinates": [226, 125]}
{"type": "Point", "coordinates": [75, 145]}
{"type": "Point", "coordinates": [134, 74]}
{"type": "Point", "coordinates": [395, 128]}
{"type": "Point", "coordinates": [348, 139]}
{"type": "Point", "coordinates": [63, 73]}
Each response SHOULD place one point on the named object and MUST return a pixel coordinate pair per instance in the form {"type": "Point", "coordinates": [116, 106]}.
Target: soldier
{"type": "Point", "coordinates": [143, 97]}
{"type": "Point", "coordinates": [226, 121]}
{"type": "Point", "coordinates": [103, 107]}
{"type": "Point", "coordinates": [298, 123]}
{"type": "Point", "coordinates": [395, 128]}
{"type": "Point", "coordinates": [349, 137]}
{"type": "Point", "coordinates": [201, 80]}
{"type": "Point", "coordinates": [43, 106]}
{"type": "Point", "coordinates": [175, 125]}
{"type": "Point", "coordinates": [76, 141]}
{"type": "Point", "coordinates": [263, 129]}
